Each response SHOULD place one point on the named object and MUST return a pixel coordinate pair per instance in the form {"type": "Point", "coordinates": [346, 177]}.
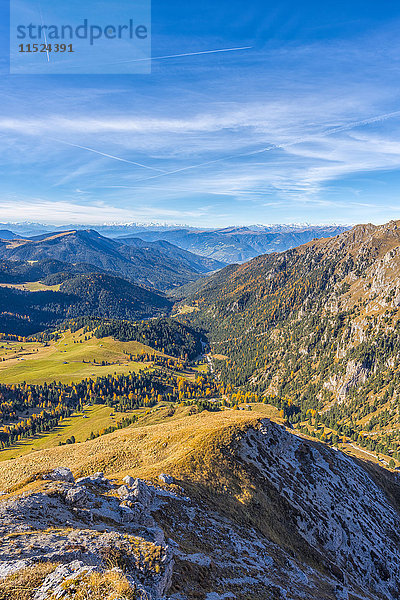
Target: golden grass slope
{"type": "Point", "coordinates": [154, 445]}
{"type": "Point", "coordinates": [32, 286]}
{"type": "Point", "coordinates": [203, 453]}
{"type": "Point", "coordinates": [197, 450]}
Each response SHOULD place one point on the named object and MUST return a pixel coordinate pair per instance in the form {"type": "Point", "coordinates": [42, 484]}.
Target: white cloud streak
{"type": "Point", "coordinates": [124, 160]}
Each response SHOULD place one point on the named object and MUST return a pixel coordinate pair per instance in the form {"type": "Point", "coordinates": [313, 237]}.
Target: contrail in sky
{"type": "Point", "coordinates": [186, 54]}
{"type": "Point", "coordinates": [130, 162]}
{"type": "Point", "coordinates": [369, 121]}
{"type": "Point", "coordinates": [45, 36]}
{"type": "Point", "coordinates": [327, 132]}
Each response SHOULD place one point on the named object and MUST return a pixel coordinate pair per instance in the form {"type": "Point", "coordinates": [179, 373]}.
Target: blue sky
{"type": "Point", "coordinates": [302, 127]}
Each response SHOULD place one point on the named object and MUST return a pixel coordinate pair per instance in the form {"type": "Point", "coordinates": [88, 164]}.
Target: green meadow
{"type": "Point", "coordinates": [69, 359]}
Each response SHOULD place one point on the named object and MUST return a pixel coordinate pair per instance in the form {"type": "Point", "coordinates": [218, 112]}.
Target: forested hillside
{"type": "Point", "coordinates": [167, 335]}
{"type": "Point", "coordinates": [19, 271]}
{"type": "Point", "coordinates": [28, 410]}
{"type": "Point", "coordinates": [97, 295]}
{"type": "Point", "coordinates": [316, 330]}
{"type": "Point", "coordinates": [112, 297]}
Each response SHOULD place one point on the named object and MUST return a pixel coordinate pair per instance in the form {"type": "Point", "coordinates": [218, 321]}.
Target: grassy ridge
{"type": "Point", "coordinates": [32, 286]}
{"type": "Point", "coordinates": [156, 443]}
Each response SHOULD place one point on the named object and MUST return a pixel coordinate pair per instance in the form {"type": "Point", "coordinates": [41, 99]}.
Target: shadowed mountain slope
{"type": "Point", "coordinates": [95, 295]}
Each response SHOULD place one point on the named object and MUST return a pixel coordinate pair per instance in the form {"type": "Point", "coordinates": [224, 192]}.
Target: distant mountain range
{"type": "Point", "coordinates": [120, 278]}
{"type": "Point", "coordinates": [157, 265]}
{"type": "Point", "coordinates": [83, 273]}
{"type": "Point", "coordinates": [239, 244]}
{"type": "Point", "coordinates": [227, 245]}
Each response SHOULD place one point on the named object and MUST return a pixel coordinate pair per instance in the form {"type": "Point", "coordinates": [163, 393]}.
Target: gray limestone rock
{"type": "Point", "coordinates": [60, 474]}
{"type": "Point", "coordinates": [166, 478]}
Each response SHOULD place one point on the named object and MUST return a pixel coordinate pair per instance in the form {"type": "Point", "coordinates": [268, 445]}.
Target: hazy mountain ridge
{"type": "Point", "coordinates": [227, 244]}
{"type": "Point", "coordinates": [6, 234]}
{"type": "Point", "coordinates": [238, 244]}
{"type": "Point", "coordinates": [201, 264]}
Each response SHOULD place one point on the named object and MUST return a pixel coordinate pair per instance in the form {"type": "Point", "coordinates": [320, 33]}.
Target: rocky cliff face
{"type": "Point", "coordinates": [269, 516]}
{"type": "Point", "coordinates": [334, 505]}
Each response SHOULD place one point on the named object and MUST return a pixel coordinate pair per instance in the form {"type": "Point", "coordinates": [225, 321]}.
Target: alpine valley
{"type": "Point", "coordinates": [178, 424]}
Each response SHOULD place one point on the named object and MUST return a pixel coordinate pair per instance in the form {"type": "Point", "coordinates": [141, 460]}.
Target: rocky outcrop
{"type": "Point", "coordinates": [60, 474]}
{"type": "Point", "coordinates": [77, 495]}
{"type": "Point", "coordinates": [97, 479]}
{"type": "Point", "coordinates": [267, 515]}
{"type": "Point", "coordinates": [356, 374]}
{"type": "Point", "coordinates": [333, 504]}
{"type": "Point", "coordinates": [62, 576]}
{"type": "Point", "coordinates": [89, 527]}
{"type": "Point", "coordinates": [128, 480]}
{"type": "Point", "coordinates": [168, 479]}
